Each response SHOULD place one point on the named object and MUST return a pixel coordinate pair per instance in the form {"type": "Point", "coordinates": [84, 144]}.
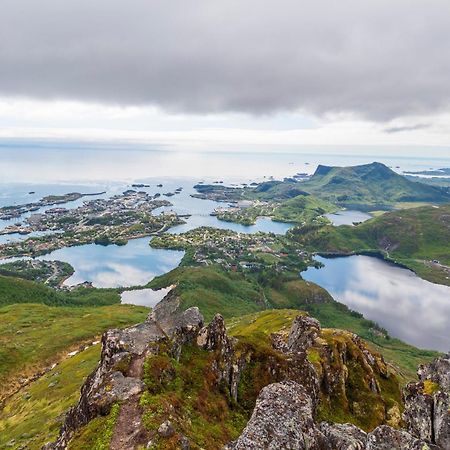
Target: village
{"type": "Point", "coordinates": [236, 251]}
{"type": "Point", "coordinates": [102, 221]}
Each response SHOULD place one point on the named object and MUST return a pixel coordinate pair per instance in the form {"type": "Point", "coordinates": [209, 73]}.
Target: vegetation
{"type": "Point", "coordinates": [187, 392]}
{"type": "Point", "coordinates": [17, 290]}
{"type": "Point", "coordinates": [418, 238]}
{"type": "Point", "coordinates": [50, 395]}
{"type": "Point", "coordinates": [98, 432]}
{"type": "Point", "coordinates": [370, 186]}
{"type": "Point", "coordinates": [33, 337]}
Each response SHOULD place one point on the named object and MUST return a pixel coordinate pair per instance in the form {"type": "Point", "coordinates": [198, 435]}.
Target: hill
{"type": "Point", "coordinates": [368, 186]}
{"type": "Point", "coordinates": [418, 238]}
{"type": "Point", "coordinates": [172, 382]}
{"type": "Point", "coordinates": [15, 290]}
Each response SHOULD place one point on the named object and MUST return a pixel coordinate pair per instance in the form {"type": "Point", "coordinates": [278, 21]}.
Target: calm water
{"type": "Point", "coordinates": [133, 264]}
{"type": "Point", "coordinates": [348, 217]}
{"type": "Point", "coordinates": [144, 297]}
{"type": "Point", "coordinates": [410, 308]}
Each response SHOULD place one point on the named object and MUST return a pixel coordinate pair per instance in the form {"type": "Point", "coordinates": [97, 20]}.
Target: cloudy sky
{"type": "Point", "coordinates": [227, 74]}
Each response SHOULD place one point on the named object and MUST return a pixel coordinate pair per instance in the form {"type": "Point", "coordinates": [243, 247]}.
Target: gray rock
{"type": "Point", "coordinates": [387, 438]}
{"type": "Point", "coordinates": [166, 429]}
{"type": "Point", "coordinates": [282, 419]}
{"type": "Point", "coordinates": [304, 332]}
{"type": "Point", "coordinates": [342, 436]}
{"type": "Point", "coordinates": [441, 419]}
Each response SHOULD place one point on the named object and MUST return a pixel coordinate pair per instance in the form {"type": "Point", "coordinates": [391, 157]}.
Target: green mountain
{"type": "Point", "coordinates": [370, 185]}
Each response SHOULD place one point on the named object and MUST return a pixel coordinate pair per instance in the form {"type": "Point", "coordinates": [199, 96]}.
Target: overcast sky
{"type": "Point", "coordinates": [372, 72]}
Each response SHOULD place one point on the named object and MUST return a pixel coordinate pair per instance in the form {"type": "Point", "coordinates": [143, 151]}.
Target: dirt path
{"type": "Point", "coordinates": [129, 431]}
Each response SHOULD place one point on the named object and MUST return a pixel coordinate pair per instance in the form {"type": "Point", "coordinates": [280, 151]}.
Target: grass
{"type": "Point", "coordinates": [16, 290]}
{"type": "Point", "coordinates": [213, 290]}
{"type": "Point", "coordinates": [97, 434]}
{"type": "Point", "coordinates": [33, 416]}
{"type": "Point", "coordinates": [33, 336]}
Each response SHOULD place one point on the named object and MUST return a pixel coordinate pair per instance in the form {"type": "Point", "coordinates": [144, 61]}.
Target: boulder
{"type": "Point", "coordinates": [282, 419]}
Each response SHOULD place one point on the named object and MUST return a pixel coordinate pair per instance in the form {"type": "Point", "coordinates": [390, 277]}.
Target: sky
{"type": "Point", "coordinates": [229, 74]}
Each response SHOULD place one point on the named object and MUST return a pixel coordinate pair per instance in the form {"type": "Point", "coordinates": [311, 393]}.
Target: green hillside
{"type": "Point", "coordinates": [419, 238]}
{"type": "Point", "coordinates": [17, 290]}
{"type": "Point", "coordinates": [368, 186]}
{"type": "Point", "coordinates": [34, 336]}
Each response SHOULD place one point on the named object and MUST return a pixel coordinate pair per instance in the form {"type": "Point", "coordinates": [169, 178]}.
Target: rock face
{"type": "Point", "coordinates": [284, 418]}
{"type": "Point", "coordinates": [427, 403]}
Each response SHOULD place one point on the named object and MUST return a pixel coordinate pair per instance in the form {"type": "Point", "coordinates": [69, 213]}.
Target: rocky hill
{"type": "Point", "coordinates": [172, 382]}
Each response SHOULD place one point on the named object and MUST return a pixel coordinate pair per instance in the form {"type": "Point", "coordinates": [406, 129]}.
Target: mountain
{"type": "Point", "coordinates": [369, 185]}
{"type": "Point", "coordinates": [266, 382]}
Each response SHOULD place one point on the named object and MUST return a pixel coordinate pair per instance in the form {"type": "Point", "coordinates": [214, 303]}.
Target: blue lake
{"type": "Point", "coordinates": [116, 266]}
{"type": "Point", "coordinates": [347, 217]}
{"type": "Point", "coordinates": [410, 308]}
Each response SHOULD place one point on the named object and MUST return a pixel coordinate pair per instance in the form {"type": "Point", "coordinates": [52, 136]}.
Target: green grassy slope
{"type": "Point", "coordinates": [34, 336]}
{"type": "Point", "coordinates": [414, 237]}
{"type": "Point", "coordinates": [17, 290]}
{"type": "Point", "coordinates": [368, 186]}
{"type": "Point", "coordinates": [34, 415]}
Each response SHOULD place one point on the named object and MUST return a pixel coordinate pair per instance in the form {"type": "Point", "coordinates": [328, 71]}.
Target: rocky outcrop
{"type": "Point", "coordinates": [304, 332]}
{"type": "Point", "coordinates": [284, 418]}
{"type": "Point", "coordinates": [118, 375]}
{"type": "Point", "coordinates": [292, 377]}
{"type": "Point", "coordinates": [427, 403]}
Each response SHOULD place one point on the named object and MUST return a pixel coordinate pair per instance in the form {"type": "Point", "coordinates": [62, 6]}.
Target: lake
{"type": "Point", "coordinates": [133, 264]}
{"type": "Point", "coordinates": [410, 308]}
{"type": "Point", "coordinates": [144, 297]}
{"type": "Point", "coordinates": [347, 217]}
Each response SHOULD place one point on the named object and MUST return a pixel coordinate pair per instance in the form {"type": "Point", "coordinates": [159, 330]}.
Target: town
{"type": "Point", "coordinates": [102, 221]}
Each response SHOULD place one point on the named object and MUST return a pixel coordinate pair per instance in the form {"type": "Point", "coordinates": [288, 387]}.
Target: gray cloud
{"type": "Point", "coordinates": [400, 129]}
{"type": "Point", "coordinates": [377, 58]}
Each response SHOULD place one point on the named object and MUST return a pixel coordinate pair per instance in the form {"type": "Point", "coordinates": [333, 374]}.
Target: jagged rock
{"type": "Point", "coordinates": [214, 336]}
{"type": "Point", "coordinates": [418, 414]}
{"type": "Point", "coordinates": [342, 436]}
{"type": "Point", "coordinates": [282, 419]}
{"type": "Point", "coordinates": [166, 429]}
{"type": "Point", "coordinates": [127, 350]}
{"type": "Point", "coordinates": [441, 419]}
{"type": "Point", "coordinates": [427, 403]}
{"type": "Point", "coordinates": [304, 332]}
{"type": "Point", "coordinates": [387, 438]}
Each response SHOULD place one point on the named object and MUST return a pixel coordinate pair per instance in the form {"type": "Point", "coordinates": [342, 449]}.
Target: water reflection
{"type": "Point", "coordinates": [410, 308]}
{"type": "Point", "coordinates": [115, 266]}
{"type": "Point", "coordinates": [347, 217]}
{"type": "Point", "coordinates": [262, 224]}
{"type": "Point", "coordinates": [144, 297]}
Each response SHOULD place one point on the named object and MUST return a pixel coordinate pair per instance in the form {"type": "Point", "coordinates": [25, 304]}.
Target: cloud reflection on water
{"type": "Point", "coordinates": [410, 308]}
